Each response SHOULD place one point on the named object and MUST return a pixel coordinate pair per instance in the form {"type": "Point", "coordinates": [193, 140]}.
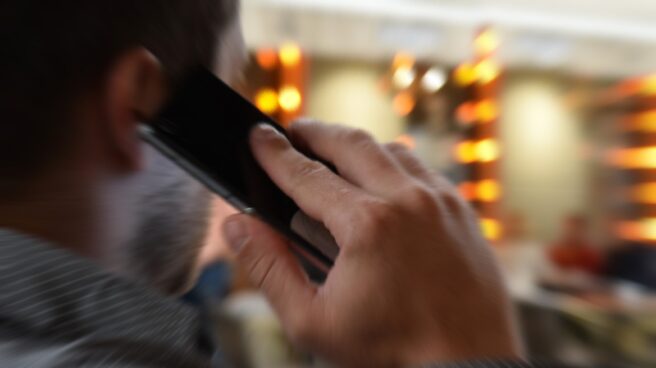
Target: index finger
{"type": "Point", "coordinates": [319, 192]}
{"type": "Point", "coordinates": [357, 156]}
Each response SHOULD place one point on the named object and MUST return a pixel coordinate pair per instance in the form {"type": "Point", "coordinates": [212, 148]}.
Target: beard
{"type": "Point", "coordinates": [172, 222]}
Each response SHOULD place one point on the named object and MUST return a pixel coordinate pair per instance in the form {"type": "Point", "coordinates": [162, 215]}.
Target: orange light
{"type": "Point", "coordinates": [645, 122]}
{"type": "Point", "coordinates": [290, 54]}
{"type": "Point", "coordinates": [466, 113]}
{"type": "Point", "coordinates": [641, 230]}
{"type": "Point", "coordinates": [290, 99]}
{"type": "Point", "coordinates": [649, 85]}
{"type": "Point", "coordinates": [267, 101]}
{"type": "Point", "coordinates": [487, 42]}
{"type": "Point", "coordinates": [486, 71]}
{"type": "Point", "coordinates": [648, 229]}
{"type": "Point", "coordinates": [644, 193]}
{"type": "Point", "coordinates": [404, 103]}
{"type": "Point", "coordinates": [488, 191]}
{"type": "Point", "coordinates": [467, 190]}
{"type": "Point", "coordinates": [487, 150]}
{"type": "Point", "coordinates": [466, 152]}
{"type": "Point", "coordinates": [633, 158]}
{"type": "Point", "coordinates": [403, 60]}
{"type": "Point", "coordinates": [267, 59]}
{"type": "Point", "coordinates": [406, 140]}
{"type": "Point", "coordinates": [465, 75]}
{"type": "Point", "coordinates": [491, 229]}
{"type": "Point", "coordinates": [404, 77]}
{"type": "Point", "coordinates": [628, 230]}
{"type": "Point", "coordinates": [487, 111]}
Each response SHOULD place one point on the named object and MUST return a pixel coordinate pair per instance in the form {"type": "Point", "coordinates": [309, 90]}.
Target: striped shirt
{"type": "Point", "coordinates": [61, 310]}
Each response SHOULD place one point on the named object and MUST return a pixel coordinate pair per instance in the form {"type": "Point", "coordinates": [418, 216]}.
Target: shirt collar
{"type": "Point", "coordinates": [49, 292]}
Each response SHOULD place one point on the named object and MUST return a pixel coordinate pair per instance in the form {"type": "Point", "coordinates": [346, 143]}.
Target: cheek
{"type": "Point", "coordinates": [231, 55]}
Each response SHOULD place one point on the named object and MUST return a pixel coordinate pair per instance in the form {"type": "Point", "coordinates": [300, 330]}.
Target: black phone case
{"type": "Point", "coordinates": [205, 129]}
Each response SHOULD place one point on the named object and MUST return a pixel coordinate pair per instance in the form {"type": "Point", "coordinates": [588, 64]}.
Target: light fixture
{"type": "Point", "coordinates": [290, 99]}
{"type": "Point", "coordinates": [465, 75]}
{"type": "Point", "coordinates": [404, 77]}
{"type": "Point", "coordinates": [290, 54]}
{"type": "Point", "coordinates": [487, 111]}
{"type": "Point", "coordinates": [487, 150]}
{"type": "Point", "coordinates": [267, 101]}
{"type": "Point", "coordinates": [466, 152]}
{"type": "Point", "coordinates": [486, 42]}
{"type": "Point", "coordinates": [486, 71]}
{"type": "Point", "coordinates": [404, 103]}
{"type": "Point", "coordinates": [491, 229]}
{"type": "Point", "coordinates": [488, 190]}
{"type": "Point", "coordinates": [433, 80]}
{"type": "Point", "coordinates": [267, 58]}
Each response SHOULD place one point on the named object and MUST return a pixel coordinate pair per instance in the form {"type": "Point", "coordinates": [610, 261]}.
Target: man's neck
{"type": "Point", "coordinates": [59, 212]}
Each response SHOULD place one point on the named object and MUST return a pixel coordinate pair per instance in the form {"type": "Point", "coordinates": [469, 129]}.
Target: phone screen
{"type": "Point", "coordinates": [205, 127]}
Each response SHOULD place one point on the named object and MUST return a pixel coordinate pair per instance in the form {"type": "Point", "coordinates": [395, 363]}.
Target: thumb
{"type": "Point", "coordinates": [270, 265]}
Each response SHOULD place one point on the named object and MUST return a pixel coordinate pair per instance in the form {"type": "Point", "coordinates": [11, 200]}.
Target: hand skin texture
{"type": "Point", "coordinates": [415, 282]}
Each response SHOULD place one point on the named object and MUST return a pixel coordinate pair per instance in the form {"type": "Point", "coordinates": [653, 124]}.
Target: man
{"type": "Point", "coordinates": [97, 228]}
{"type": "Point", "coordinates": [573, 252]}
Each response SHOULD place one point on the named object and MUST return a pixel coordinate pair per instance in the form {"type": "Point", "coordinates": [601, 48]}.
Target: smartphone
{"type": "Point", "coordinates": [204, 128]}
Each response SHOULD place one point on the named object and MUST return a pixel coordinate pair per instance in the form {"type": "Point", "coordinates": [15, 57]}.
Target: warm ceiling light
{"type": "Point", "coordinates": [267, 58]}
{"type": "Point", "coordinates": [488, 191]}
{"type": "Point", "coordinates": [290, 54]}
{"type": "Point", "coordinates": [487, 42]}
{"type": "Point", "coordinates": [486, 71]}
{"type": "Point", "coordinates": [403, 60]}
{"type": "Point", "coordinates": [644, 193]}
{"type": "Point", "coordinates": [466, 152]}
{"type": "Point", "coordinates": [267, 101]}
{"type": "Point", "coordinates": [645, 122]}
{"type": "Point", "coordinates": [487, 150]}
{"type": "Point", "coordinates": [404, 77]}
{"type": "Point", "coordinates": [491, 229]}
{"type": "Point", "coordinates": [404, 103]}
{"type": "Point", "coordinates": [648, 229]}
{"type": "Point", "coordinates": [434, 80]}
{"type": "Point", "coordinates": [467, 190]}
{"type": "Point", "coordinates": [487, 111]}
{"type": "Point", "coordinates": [465, 75]}
{"type": "Point", "coordinates": [634, 158]}
{"type": "Point", "coordinates": [290, 99]}
{"type": "Point", "coordinates": [641, 230]}
{"type": "Point", "coordinates": [466, 113]}
{"type": "Point", "coordinates": [649, 85]}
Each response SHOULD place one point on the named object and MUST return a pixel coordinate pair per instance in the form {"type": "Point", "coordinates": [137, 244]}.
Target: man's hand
{"type": "Point", "coordinates": [414, 281]}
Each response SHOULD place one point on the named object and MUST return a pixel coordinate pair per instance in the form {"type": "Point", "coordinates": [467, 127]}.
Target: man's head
{"type": "Point", "coordinates": [77, 78]}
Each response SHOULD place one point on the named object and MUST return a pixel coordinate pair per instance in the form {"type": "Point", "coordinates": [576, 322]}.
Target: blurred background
{"type": "Point", "coordinates": [542, 112]}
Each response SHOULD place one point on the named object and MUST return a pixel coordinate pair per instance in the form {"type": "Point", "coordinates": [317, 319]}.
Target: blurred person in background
{"type": "Point", "coordinates": [574, 252]}
{"type": "Point", "coordinates": [99, 231]}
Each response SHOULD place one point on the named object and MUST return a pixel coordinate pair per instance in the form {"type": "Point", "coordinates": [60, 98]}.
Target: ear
{"type": "Point", "coordinates": [134, 92]}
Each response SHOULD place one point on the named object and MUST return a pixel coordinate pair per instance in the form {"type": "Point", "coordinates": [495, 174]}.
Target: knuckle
{"type": "Point", "coordinates": [358, 137]}
{"type": "Point", "coordinates": [421, 198]}
{"type": "Point", "coordinates": [396, 148]}
{"type": "Point", "coordinates": [375, 216]}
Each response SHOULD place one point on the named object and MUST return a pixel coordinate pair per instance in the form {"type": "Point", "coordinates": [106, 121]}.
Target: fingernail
{"type": "Point", "coordinates": [236, 234]}
{"type": "Point", "coordinates": [265, 132]}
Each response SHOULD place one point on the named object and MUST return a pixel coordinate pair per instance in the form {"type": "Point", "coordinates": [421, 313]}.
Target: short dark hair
{"type": "Point", "coordinates": [54, 52]}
